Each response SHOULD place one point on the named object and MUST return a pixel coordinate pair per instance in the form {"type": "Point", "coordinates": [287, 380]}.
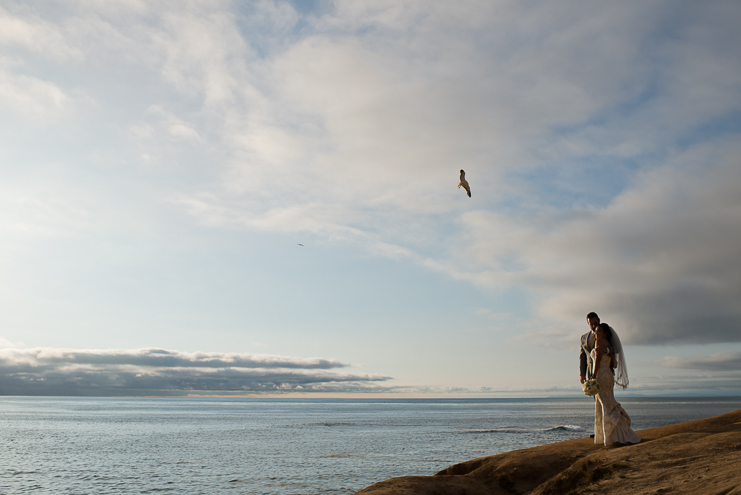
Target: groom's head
{"type": "Point", "coordinates": [592, 320]}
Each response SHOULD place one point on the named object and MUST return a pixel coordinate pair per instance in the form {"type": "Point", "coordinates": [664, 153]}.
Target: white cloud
{"type": "Point", "coordinates": [31, 97]}
{"type": "Point", "coordinates": [180, 131]}
{"type": "Point", "coordinates": [158, 124]}
{"type": "Point", "coordinates": [34, 34]}
{"type": "Point", "coordinates": [6, 343]}
{"type": "Point", "coordinates": [112, 7]}
{"type": "Point", "coordinates": [43, 212]}
{"type": "Point", "coordinates": [203, 53]}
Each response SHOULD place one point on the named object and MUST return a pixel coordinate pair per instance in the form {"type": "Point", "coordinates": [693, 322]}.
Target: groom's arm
{"type": "Point", "coordinates": [582, 364]}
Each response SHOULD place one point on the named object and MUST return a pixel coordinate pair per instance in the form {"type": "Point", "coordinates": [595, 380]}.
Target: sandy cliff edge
{"type": "Point", "coordinates": [696, 457]}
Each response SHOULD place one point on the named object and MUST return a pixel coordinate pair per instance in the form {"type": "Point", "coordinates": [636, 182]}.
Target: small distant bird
{"type": "Point", "coordinates": [301, 245]}
{"type": "Point", "coordinates": [464, 183]}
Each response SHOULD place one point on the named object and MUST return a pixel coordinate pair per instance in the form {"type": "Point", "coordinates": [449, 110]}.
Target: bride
{"type": "Point", "coordinates": [611, 422]}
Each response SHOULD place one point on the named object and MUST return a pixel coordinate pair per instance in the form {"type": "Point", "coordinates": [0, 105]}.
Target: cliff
{"type": "Point", "coordinates": [696, 457]}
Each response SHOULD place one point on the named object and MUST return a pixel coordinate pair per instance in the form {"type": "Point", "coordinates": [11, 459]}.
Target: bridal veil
{"type": "Point", "coordinates": [621, 371]}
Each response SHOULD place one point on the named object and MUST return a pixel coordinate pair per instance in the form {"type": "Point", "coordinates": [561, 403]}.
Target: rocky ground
{"type": "Point", "coordinates": [698, 457]}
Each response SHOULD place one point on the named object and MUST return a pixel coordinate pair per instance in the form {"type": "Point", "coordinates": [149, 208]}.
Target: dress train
{"type": "Point", "coordinates": [611, 422]}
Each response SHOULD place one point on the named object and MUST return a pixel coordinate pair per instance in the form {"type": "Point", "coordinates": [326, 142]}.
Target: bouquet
{"type": "Point", "coordinates": [590, 387]}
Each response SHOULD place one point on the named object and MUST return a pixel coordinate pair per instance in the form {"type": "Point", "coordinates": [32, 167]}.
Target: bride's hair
{"type": "Point", "coordinates": [608, 331]}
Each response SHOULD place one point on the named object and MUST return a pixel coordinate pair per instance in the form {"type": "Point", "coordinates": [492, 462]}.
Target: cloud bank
{"type": "Point", "coordinates": [165, 372]}
{"type": "Point", "coordinates": [719, 362]}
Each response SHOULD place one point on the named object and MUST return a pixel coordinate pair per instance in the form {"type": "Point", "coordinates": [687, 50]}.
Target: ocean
{"type": "Point", "coordinates": [65, 445]}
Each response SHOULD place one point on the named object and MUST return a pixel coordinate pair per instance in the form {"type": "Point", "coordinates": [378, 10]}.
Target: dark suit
{"type": "Point", "coordinates": [585, 355]}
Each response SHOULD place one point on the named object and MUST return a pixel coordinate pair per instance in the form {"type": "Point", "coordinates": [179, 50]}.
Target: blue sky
{"type": "Point", "coordinates": [162, 162]}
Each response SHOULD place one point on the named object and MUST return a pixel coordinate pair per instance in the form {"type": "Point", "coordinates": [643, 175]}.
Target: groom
{"type": "Point", "coordinates": [586, 365]}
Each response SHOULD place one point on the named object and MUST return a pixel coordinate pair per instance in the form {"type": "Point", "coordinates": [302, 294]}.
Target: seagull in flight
{"type": "Point", "coordinates": [301, 245]}
{"type": "Point", "coordinates": [464, 183]}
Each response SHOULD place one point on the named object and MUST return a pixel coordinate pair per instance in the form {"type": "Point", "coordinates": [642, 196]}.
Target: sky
{"type": "Point", "coordinates": [259, 198]}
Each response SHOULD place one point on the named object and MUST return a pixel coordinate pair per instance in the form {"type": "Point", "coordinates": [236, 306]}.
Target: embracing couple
{"type": "Point", "coordinates": [602, 359]}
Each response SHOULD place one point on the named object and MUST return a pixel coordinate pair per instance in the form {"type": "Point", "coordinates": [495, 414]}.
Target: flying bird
{"type": "Point", "coordinates": [301, 245]}
{"type": "Point", "coordinates": [464, 183]}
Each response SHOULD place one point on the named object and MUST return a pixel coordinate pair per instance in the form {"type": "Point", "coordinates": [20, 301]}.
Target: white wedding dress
{"type": "Point", "coordinates": [611, 422]}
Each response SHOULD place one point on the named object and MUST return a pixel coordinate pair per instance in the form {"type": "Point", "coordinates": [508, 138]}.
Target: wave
{"type": "Point", "coordinates": [511, 429]}
{"type": "Point", "coordinates": [515, 429]}
{"type": "Point", "coordinates": [565, 428]}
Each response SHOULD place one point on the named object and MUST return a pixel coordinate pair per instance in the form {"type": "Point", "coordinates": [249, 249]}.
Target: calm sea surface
{"type": "Point", "coordinates": [253, 446]}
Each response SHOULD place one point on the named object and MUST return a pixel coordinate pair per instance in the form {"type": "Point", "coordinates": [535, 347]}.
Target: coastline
{"type": "Point", "coordinates": [701, 456]}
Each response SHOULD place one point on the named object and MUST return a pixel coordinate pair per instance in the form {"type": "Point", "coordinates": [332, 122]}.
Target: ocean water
{"type": "Point", "coordinates": [288, 447]}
